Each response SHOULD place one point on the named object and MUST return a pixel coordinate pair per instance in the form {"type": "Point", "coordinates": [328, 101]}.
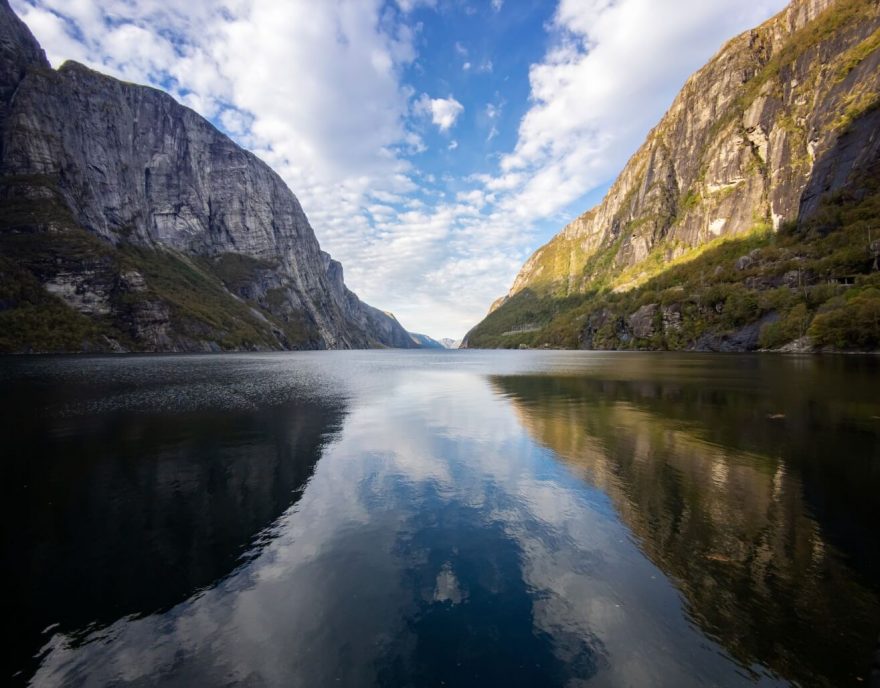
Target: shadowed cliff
{"type": "Point", "coordinates": [129, 222]}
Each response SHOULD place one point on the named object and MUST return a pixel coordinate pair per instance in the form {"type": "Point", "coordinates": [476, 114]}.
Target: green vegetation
{"type": "Point", "coordinates": [854, 106]}
{"type": "Point", "coordinates": [205, 299]}
{"type": "Point", "coordinates": [200, 305]}
{"type": "Point", "coordinates": [23, 208]}
{"type": "Point", "coordinates": [39, 240]}
{"type": "Point", "coordinates": [853, 57]}
{"type": "Point", "coordinates": [791, 327]}
{"type": "Point", "coordinates": [237, 271]}
{"type": "Point", "coordinates": [814, 279]}
{"type": "Point", "coordinates": [849, 323]}
{"type": "Point", "coordinates": [690, 201]}
{"type": "Point", "coordinates": [33, 320]}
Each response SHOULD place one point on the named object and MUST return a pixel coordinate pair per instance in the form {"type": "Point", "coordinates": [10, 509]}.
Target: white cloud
{"type": "Point", "coordinates": [607, 57]}
{"type": "Point", "coordinates": [492, 113]}
{"type": "Point", "coordinates": [497, 5]}
{"type": "Point", "coordinates": [443, 111]}
{"type": "Point", "coordinates": [453, 145]}
{"type": "Point", "coordinates": [409, 5]}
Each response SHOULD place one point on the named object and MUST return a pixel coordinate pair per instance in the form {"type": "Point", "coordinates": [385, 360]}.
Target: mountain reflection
{"type": "Point", "coordinates": [129, 512]}
{"type": "Point", "coordinates": [485, 519]}
{"type": "Point", "coordinates": [733, 527]}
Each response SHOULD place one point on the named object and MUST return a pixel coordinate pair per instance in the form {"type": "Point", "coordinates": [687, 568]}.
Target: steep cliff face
{"type": "Point", "coordinates": [150, 227]}
{"type": "Point", "coordinates": [783, 116]}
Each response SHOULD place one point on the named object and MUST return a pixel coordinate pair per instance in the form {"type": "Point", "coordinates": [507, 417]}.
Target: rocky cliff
{"type": "Point", "coordinates": [782, 123]}
{"type": "Point", "coordinates": [129, 222]}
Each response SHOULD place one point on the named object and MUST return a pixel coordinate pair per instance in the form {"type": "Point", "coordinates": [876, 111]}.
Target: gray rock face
{"type": "Point", "coordinates": [642, 321]}
{"type": "Point", "coordinates": [135, 168]}
{"type": "Point", "coordinates": [743, 339]}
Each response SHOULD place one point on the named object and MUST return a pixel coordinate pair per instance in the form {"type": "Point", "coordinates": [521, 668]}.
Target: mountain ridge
{"type": "Point", "coordinates": [756, 142]}
{"type": "Point", "coordinates": [129, 222]}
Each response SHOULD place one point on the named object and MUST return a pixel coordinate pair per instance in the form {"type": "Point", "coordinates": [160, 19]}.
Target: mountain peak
{"type": "Point", "coordinates": [130, 222]}
{"type": "Point", "coordinates": [19, 51]}
{"type": "Point", "coordinates": [781, 117]}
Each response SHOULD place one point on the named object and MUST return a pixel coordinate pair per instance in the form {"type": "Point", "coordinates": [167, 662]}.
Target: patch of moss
{"type": "Point", "coordinates": [831, 22]}
{"type": "Point", "coordinates": [201, 306]}
{"type": "Point", "coordinates": [854, 106]}
{"type": "Point", "coordinates": [690, 201]}
{"type": "Point", "coordinates": [237, 270]}
{"type": "Point", "coordinates": [853, 57]}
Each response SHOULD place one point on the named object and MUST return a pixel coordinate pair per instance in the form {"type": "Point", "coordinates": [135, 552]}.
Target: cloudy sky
{"type": "Point", "coordinates": [434, 144]}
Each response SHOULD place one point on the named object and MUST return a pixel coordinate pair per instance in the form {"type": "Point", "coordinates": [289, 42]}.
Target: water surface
{"type": "Point", "coordinates": [458, 518]}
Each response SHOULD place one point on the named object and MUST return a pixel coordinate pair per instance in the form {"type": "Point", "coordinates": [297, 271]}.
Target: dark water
{"type": "Point", "coordinates": [428, 519]}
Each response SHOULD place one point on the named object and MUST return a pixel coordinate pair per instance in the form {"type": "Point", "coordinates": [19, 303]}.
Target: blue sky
{"type": "Point", "coordinates": [434, 144]}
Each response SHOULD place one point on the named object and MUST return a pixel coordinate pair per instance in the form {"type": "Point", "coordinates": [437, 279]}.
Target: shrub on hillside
{"type": "Point", "coordinates": [851, 323]}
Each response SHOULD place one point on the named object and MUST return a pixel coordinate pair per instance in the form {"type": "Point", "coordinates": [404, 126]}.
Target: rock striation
{"type": "Point", "coordinates": [129, 222]}
{"type": "Point", "coordinates": [783, 117]}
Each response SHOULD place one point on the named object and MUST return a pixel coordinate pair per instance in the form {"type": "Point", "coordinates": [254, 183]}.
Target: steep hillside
{"type": "Point", "coordinates": [745, 220]}
{"type": "Point", "coordinates": [128, 222]}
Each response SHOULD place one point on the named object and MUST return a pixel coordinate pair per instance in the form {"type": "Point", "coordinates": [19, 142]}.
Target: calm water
{"type": "Point", "coordinates": [427, 519]}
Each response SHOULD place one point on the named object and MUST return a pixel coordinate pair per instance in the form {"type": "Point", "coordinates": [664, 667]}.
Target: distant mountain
{"type": "Point", "coordinates": [748, 218]}
{"type": "Point", "coordinates": [450, 343]}
{"type": "Point", "coordinates": [128, 222]}
{"type": "Point", "coordinates": [423, 341]}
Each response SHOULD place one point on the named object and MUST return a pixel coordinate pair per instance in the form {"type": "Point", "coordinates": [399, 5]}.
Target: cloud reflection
{"type": "Point", "coordinates": [490, 531]}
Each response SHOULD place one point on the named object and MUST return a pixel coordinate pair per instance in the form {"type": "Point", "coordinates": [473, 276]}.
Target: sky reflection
{"type": "Point", "coordinates": [436, 539]}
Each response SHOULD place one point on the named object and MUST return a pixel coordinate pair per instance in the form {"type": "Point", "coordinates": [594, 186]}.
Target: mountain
{"type": "Point", "coordinates": [748, 218]}
{"type": "Point", "coordinates": [423, 341]}
{"type": "Point", "coordinates": [450, 343]}
{"type": "Point", "coordinates": [129, 222]}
